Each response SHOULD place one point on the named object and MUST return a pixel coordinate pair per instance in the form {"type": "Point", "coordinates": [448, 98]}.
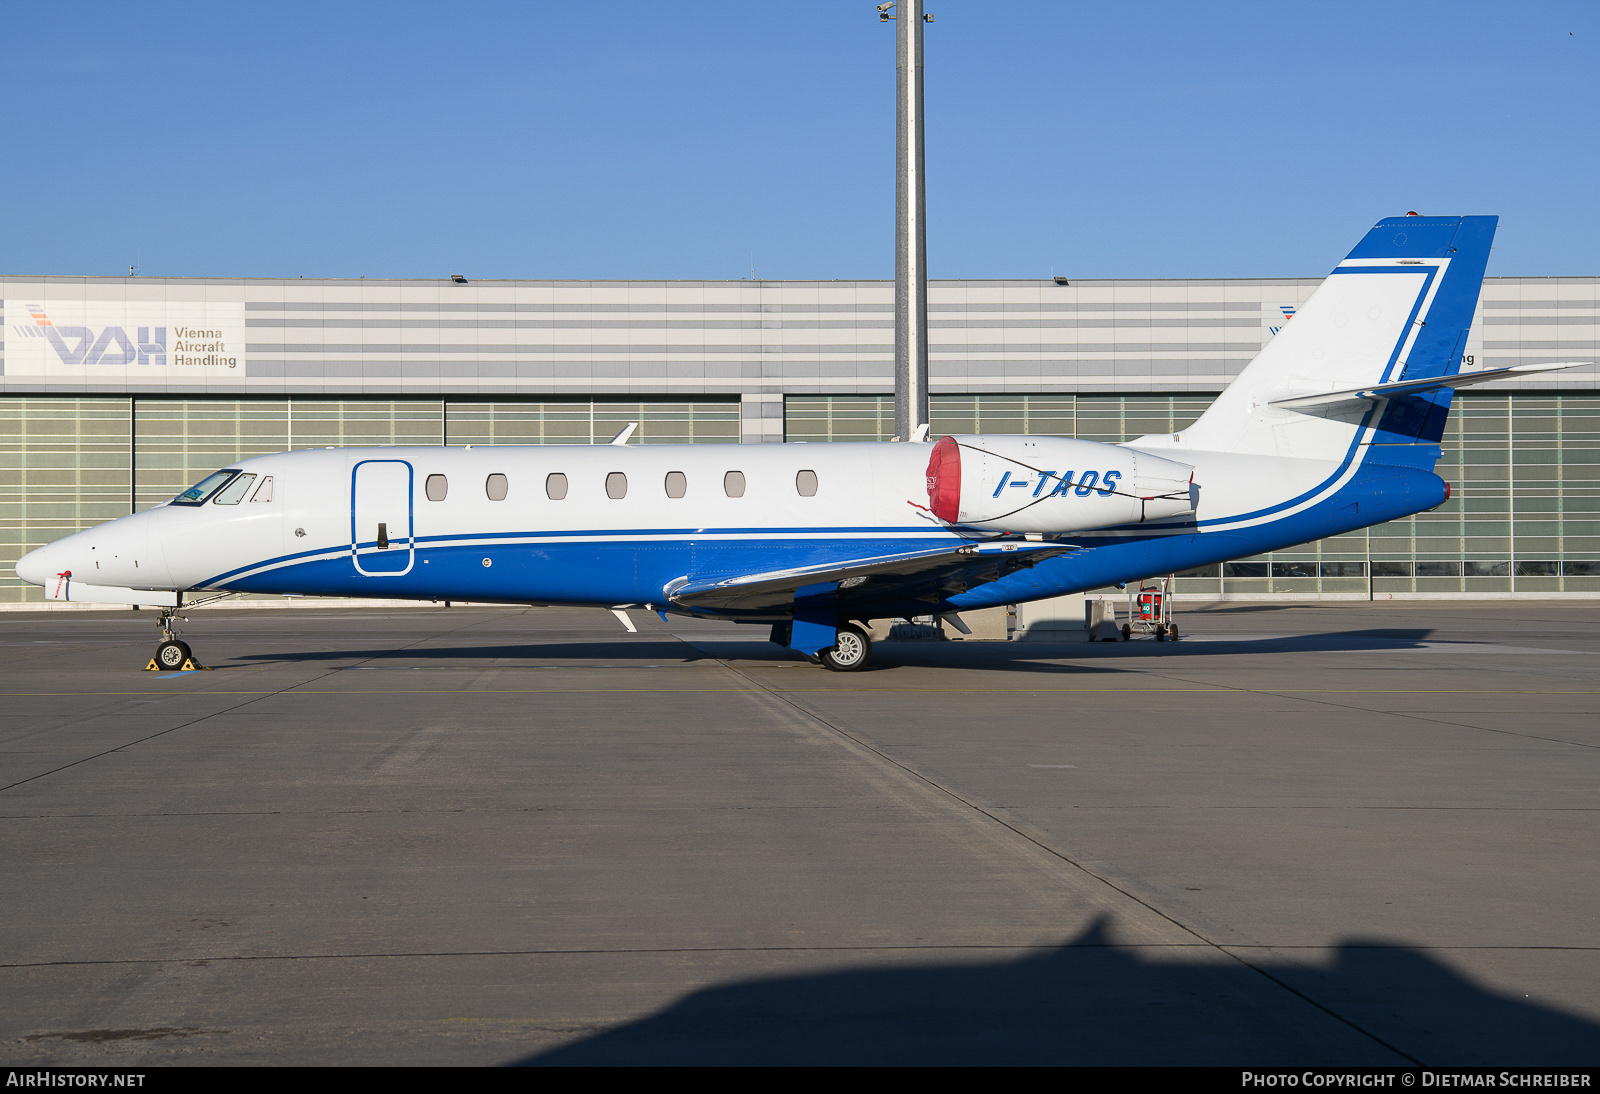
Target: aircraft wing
{"type": "Point", "coordinates": [934, 574]}
{"type": "Point", "coordinates": [1321, 400]}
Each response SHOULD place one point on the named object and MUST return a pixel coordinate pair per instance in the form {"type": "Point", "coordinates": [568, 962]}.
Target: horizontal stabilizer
{"type": "Point", "coordinates": [1363, 395]}
{"type": "Point", "coordinates": [872, 578]}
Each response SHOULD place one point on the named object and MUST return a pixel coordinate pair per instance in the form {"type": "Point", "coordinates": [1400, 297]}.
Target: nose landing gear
{"type": "Point", "coordinates": [172, 655]}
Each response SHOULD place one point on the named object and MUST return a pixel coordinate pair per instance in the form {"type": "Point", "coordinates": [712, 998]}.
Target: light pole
{"type": "Point", "coordinates": [910, 224]}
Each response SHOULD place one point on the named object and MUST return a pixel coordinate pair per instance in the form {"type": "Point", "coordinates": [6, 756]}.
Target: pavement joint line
{"type": "Point", "coordinates": [936, 947]}
{"type": "Point", "coordinates": [255, 697]}
{"type": "Point", "coordinates": [1025, 947]}
{"type": "Point", "coordinates": [1216, 688]}
{"type": "Point", "coordinates": [558, 811]}
{"type": "Point", "coordinates": [140, 740]}
{"type": "Point", "coordinates": [1049, 850]}
{"type": "Point", "coordinates": [1405, 714]}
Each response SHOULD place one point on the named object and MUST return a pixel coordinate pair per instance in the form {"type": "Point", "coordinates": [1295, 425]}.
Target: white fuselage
{"type": "Point", "coordinates": [594, 524]}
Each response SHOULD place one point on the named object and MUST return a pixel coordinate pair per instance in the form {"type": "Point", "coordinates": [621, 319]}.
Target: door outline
{"type": "Point", "coordinates": [408, 539]}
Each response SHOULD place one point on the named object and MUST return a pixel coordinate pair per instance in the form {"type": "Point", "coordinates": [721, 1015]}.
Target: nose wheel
{"type": "Point", "coordinates": [172, 655]}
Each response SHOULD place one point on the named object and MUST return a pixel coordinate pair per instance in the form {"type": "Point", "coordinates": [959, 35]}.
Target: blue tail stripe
{"type": "Point", "coordinates": [1410, 237]}
{"type": "Point", "coordinates": [1442, 341]}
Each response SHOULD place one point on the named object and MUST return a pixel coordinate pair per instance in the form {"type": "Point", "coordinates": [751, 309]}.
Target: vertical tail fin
{"type": "Point", "coordinates": [1397, 308]}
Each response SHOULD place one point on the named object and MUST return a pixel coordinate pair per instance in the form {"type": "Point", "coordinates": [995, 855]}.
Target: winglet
{"type": "Point", "coordinates": [622, 438]}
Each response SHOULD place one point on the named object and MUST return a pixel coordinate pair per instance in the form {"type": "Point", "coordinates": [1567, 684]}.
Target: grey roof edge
{"type": "Point", "coordinates": [956, 282]}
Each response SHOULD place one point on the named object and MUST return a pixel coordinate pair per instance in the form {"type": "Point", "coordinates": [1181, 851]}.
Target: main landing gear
{"type": "Point", "coordinates": [850, 653]}
{"type": "Point", "coordinates": [851, 650]}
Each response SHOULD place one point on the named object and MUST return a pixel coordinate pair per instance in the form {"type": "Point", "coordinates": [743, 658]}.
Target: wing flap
{"type": "Point", "coordinates": [870, 578]}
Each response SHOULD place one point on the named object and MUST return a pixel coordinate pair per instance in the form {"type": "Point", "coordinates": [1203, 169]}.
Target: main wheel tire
{"type": "Point", "coordinates": [851, 650]}
{"type": "Point", "coordinates": [172, 655]}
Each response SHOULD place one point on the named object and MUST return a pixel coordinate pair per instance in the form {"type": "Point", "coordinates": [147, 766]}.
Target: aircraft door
{"type": "Point", "coordinates": [381, 542]}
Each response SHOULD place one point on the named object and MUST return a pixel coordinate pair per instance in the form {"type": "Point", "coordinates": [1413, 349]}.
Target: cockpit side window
{"type": "Point", "coordinates": [200, 491]}
{"type": "Point", "coordinates": [264, 491]}
{"type": "Point", "coordinates": [233, 493]}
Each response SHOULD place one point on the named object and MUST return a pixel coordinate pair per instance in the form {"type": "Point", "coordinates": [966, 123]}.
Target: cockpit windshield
{"type": "Point", "coordinates": [200, 491]}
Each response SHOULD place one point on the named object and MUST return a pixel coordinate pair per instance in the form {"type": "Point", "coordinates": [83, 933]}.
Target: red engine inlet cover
{"type": "Point", "coordinates": [944, 480]}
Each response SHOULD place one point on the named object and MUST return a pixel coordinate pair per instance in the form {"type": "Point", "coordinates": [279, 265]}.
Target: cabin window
{"type": "Point", "coordinates": [436, 487]}
{"type": "Point", "coordinates": [677, 484]}
{"type": "Point", "coordinates": [264, 491]}
{"type": "Point", "coordinates": [805, 483]}
{"type": "Point", "coordinates": [616, 485]}
{"type": "Point", "coordinates": [733, 484]}
{"type": "Point", "coordinates": [233, 493]}
{"type": "Point", "coordinates": [555, 486]}
{"type": "Point", "coordinates": [495, 487]}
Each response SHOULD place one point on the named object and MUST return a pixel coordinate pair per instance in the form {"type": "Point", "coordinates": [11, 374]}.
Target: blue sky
{"type": "Point", "coordinates": [694, 140]}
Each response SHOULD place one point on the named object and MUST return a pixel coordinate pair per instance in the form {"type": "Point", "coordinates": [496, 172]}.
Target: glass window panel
{"type": "Point", "coordinates": [579, 420]}
{"type": "Point", "coordinates": [1245, 569]}
{"type": "Point", "coordinates": [496, 486]}
{"type": "Point", "coordinates": [233, 493]}
{"type": "Point", "coordinates": [1344, 569]}
{"type": "Point", "coordinates": [200, 491]}
{"type": "Point", "coordinates": [1294, 569]}
{"type": "Point", "coordinates": [177, 438]}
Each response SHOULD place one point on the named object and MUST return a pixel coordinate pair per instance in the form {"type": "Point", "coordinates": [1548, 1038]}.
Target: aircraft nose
{"type": "Point", "coordinates": [40, 566]}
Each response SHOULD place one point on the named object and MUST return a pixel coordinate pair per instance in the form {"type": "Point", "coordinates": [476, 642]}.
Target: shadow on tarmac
{"type": "Point", "coordinates": [645, 650]}
{"type": "Point", "coordinates": [1091, 1003]}
{"type": "Point", "coordinates": [997, 656]}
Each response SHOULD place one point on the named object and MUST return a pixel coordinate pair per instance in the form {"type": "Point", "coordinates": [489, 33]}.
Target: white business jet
{"type": "Point", "coordinates": [1334, 426]}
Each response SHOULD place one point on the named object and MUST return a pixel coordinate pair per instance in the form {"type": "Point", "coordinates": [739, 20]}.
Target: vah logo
{"type": "Point", "coordinates": [111, 345]}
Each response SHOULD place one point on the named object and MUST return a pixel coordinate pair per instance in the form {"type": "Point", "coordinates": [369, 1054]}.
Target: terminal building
{"type": "Point", "coordinates": [117, 393]}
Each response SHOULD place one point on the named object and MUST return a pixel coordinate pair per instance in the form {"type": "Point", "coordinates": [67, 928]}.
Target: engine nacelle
{"type": "Point", "coordinates": [1052, 485]}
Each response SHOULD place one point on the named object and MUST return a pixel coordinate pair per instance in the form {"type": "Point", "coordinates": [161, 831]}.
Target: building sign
{"type": "Point", "coordinates": [124, 341]}
{"type": "Point", "coordinates": [1274, 317]}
